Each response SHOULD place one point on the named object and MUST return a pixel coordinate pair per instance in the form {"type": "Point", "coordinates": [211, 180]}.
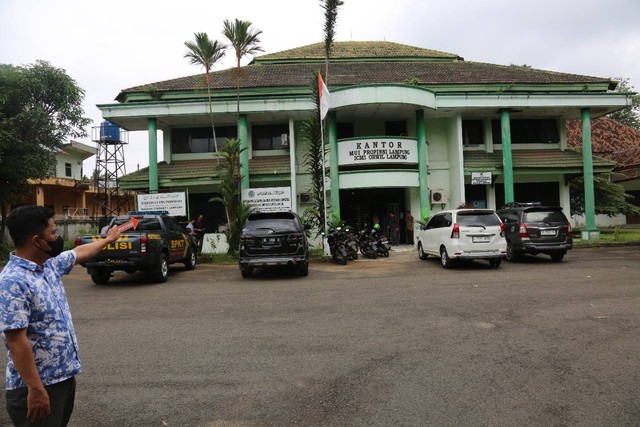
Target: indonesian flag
{"type": "Point", "coordinates": [324, 97]}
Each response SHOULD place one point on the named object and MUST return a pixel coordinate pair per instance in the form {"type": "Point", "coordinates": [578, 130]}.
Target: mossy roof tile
{"type": "Point", "coordinates": [530, 159]}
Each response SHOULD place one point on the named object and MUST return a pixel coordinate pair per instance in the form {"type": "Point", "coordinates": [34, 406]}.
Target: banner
{"type": "Point", "coordinates": [174, 203]}
{"type": "Point", "coordinates": [377, 150]}
{"type": "Point", "coordinates": [272, 199]}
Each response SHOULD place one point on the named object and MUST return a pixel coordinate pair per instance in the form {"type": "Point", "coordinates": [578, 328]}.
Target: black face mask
{"type": "Point", "coordinates": [57, 246]}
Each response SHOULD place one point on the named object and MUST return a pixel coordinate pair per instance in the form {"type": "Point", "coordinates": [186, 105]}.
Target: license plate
{"type": "Point", "coordinates": [547, 232]}
{"type": "Point", "coordinates": [271, 240]}
{"type": "Point", "coordinates": [481, 239]}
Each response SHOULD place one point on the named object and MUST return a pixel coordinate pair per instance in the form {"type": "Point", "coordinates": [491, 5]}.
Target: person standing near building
{"type": "Point", "coordinates": [409, 228]}
{"type": "Point", "coordinates": [393, 229]}
{"type": "Point", "coordinates": [199, 228]}
{"type": "Point", "coordinates": [36, 321]}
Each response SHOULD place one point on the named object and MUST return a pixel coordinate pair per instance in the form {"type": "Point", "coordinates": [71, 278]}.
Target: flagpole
{"type": "Point", "coordinates": [324, 176]}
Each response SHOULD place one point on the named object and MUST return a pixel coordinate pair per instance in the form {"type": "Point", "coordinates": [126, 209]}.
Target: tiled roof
{"type": "Point", "coordinates": [530, 159]}
{"type": "Point", "coordinates": [609, 139]}
{"type": "Point", "coordinates": [358, 63]}
{"type": "Point", "coordinates": [357, 50]}
{"type": "Point", "coordinates": [360, 73]}
{"type": "Point", "coordinates": [207, 168]}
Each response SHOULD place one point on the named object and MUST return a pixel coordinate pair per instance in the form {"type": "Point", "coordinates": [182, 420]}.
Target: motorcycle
{"type": "Point", "coordinates": [367, 245]}
{"type": "Point", "coordinates": [351, 243]}
{"type": "Point", "coordinates": [335, 239]}
{"type": "Point", "coordinates": [382, 244]}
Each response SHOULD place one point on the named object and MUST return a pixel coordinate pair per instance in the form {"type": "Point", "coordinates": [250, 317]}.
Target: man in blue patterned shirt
{"type": "Point", "coordinates": [36, 321]}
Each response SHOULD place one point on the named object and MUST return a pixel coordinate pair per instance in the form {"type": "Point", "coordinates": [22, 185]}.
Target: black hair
{"type": "Point", "coordinates": [26, 221]}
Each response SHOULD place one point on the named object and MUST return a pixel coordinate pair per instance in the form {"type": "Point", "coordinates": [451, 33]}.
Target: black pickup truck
{"type": "Point", "coordinates": [157, 241]}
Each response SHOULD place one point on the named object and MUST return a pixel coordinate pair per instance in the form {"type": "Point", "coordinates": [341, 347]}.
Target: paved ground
{"type": "Point", "coordinates": [393, 341]}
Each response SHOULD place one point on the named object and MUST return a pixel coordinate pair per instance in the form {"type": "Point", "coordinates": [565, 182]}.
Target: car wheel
{"type": "Point", "coordinates": [511, 253]}
{"type": "Point", "coordinates": [101, 277]}
{"type": "Point", "coordinates": [444, 258]}
{"type": "Point", "coordinates": [246, 272]}
{"type": "Point", "coordinates": [162, 270]}
{"type": "Point", "coordinates": [303, 270]}
{"type": "Point", "coordinates": [190, 260]}
{"type": "Point", "coordinates": [495, 263]}
{"type": "Point", "coordinates": [421, 253]}
{"type": "Point", "coordinates": [557, 257]}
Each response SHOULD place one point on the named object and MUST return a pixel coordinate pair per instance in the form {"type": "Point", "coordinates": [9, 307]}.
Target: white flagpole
{"type": "Point", "coordinates": [324, 175]}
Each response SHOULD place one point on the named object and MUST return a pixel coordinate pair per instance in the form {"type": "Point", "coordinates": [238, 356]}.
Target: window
{"type": "Point", "coordinates": [395, 128]}
{"type": "Point", "coordinates": [67, 170]}
{"type": "Point", "coordinates": [528, 131]}
{"type": "Point", "coordinates": [472, 132]}
{"type": "Point", "coordinates": [199, 140]}
{"type": "Point", "coordinates": [345, 130]}
{"type": "Point", "coordinates": [268, 137]}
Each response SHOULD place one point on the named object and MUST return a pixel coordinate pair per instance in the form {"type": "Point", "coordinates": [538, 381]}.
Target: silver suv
{"type": "Point", "coordinates": [463, 234]}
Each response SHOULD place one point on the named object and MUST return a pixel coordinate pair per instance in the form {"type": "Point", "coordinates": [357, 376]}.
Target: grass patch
{"type": "Point", "coordinates": [217, 259]}
{"type": "Point", "coordinates": [609, 236]}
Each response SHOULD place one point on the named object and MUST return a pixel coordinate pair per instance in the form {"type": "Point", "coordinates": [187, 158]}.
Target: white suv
{"type": "Point", "coordinates": [463, 234]}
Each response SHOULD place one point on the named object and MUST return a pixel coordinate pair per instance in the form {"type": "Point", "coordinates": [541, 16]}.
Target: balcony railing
{"type": "Point", "coordinates": [75, 213]}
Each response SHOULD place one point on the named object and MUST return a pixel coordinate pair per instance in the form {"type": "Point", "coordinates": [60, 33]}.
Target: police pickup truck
{"type": "Point", "coordinates": [151, 242]}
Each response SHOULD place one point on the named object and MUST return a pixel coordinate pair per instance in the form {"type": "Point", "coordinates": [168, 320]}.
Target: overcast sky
{"type": "Point", "coordinates": [111, 45]}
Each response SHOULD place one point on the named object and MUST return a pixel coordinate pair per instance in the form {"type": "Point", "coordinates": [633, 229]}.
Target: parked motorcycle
{"type": "Point", "coordinates": [382, 244]}
{"type": "Point", "coordinates": [337, 247]}
{"type": "Point", "coordinates": [351, 242]}
{"type": "Point", "coordinates": [368, 246]}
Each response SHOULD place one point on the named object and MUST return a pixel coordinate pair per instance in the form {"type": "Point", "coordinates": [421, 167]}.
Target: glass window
{"type": "Point", "coordinates": [528, 131]}
{"type": "Point", "coordinates": [472, 132]}
{"type": "Point", "coordinates": [345, 130]}
{"type": "Point", "coordinates": [395, 128]}
{"type": "Point", "coordinates": [199, 140]}
{"type": "Point", "coordinates": [268, 137]}
{"type": "Point", "coordinates": [545, 216]}
{"type": "Point", "coordinates": [67, 169]}
{"type": "Point", "coordinates": [478, 218]}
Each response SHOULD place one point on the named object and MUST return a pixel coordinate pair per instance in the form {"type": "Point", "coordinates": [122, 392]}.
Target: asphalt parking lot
{"type": "Point", "coordinates": [394, 341]}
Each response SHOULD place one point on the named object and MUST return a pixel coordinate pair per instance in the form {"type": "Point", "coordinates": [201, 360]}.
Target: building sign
{"type": "Point", "coordinates": [272, 199]}
{"type": "Point", "coordinates": [480, 178]}
{"type": "Point", "coordinates": [174, 203]}
{"type": "Point", "coordinates": [377, 150]}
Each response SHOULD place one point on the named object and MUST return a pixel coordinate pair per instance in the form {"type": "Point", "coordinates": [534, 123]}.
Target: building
{"type": "Point", "coordinates": [619, 143]}
{"type": "Point", "coordinates": [409, 129]}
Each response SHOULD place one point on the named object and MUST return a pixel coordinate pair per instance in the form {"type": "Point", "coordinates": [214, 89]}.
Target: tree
{"type": "Point", "coordinates": [230, 193]}
{"type": "Point", "coordinates": [244, 41]}
{"type": "Point", "coordinates": [40, 107]}
{"type": "Point", "coordinates": [330, 17]}
{"type": "Point", "coordinates": [206, 53]}
{"type": "Point", "coordinates": [629, 116]}
{"type": "Point", "coordinates": [610, 198]}
{"type": "Point", "coordinates": [310, 132]}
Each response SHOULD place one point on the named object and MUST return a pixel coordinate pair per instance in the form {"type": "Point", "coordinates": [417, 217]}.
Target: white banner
{"type": "Point", "coordinates": [377, 150]}
{"type": "Point", "coordinates": [174, 203]}
{"type": "Point", "coordinates": [272, 199]}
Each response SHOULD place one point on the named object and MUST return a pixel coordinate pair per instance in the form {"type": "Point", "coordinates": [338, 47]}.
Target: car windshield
{"type": "Point", "coordinates": [483, 219]}
{"type": "Point", "coordinates": [544, 216]}
{"type": "Point", "coordinates": [277, 221]}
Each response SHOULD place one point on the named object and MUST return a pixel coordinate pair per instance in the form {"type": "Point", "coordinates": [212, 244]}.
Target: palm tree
{"type": "Point", "coordinates": [330, 17]}
{"type": "Point", "coordinates": [206, 53]}
{"type": "Point", "coordinates": [245, 41]}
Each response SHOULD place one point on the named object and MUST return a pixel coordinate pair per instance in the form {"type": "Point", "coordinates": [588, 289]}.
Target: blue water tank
{"type": "Point", "coordinates": [109, 132]}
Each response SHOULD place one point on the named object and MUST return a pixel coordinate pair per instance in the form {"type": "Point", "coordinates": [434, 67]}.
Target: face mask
{"type": "Point", "coordinates": [56, 246]}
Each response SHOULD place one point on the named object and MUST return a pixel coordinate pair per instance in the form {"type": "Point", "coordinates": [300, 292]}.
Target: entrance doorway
{"type": "Point", "coordinates": [360, 208]}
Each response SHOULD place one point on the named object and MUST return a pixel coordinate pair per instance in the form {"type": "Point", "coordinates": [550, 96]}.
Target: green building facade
{"type": "Point", "coordinates": [409, 129]}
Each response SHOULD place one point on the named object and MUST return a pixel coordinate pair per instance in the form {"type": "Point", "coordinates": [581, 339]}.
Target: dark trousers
{"type": "Point", "coordinates": [61, 398]}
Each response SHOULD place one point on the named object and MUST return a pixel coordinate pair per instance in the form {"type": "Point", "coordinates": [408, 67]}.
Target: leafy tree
{"type": "Point", "coordinates": [330, 17]}
{"type": "Point", "coordinates": [310, 133]}
{"type": "Point", "coordinates": [629, 116]}
{"type": "Point", "coordinates": [230, 193]}
{"type": "Point", "coordinates": [245, 41]}
{"type": "Point", "coordinates": [40, 107]}
{"type": "Point", "coordinates": [610, 198]}
{"type": "Point", "coordinates": [206, 53]}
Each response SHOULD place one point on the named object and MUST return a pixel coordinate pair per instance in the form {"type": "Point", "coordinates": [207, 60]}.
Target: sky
{"type": "Point", "coordinates": [107, 46]}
